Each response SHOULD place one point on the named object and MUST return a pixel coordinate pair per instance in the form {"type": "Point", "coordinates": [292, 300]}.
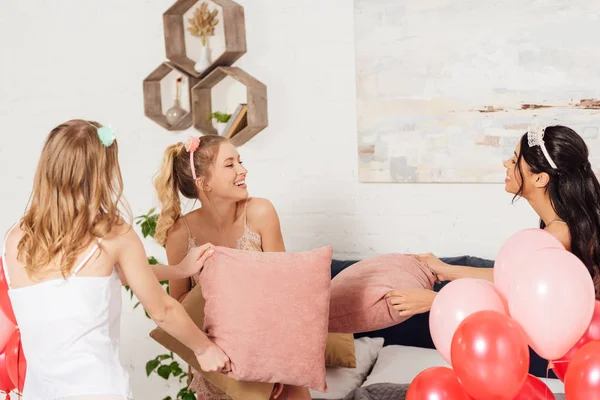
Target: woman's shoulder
{"type": "Point", "coordinates": [561, 232]}
{"type": "Point", "coordinates": [181, 227]}
{"type": "Point", "coordinates": [12, 237]}
{"type": "Point", "coordinates": [259, 206]}
{"type": "Point", "coordinates": [260, 211]}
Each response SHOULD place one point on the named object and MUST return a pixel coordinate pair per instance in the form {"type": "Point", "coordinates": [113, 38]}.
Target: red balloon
{"type": "Point", "coordinates": [534, 389]}
{"type": "Point", "coordinates": [592, 333]}
{"type": "Point", "coordinates": [582, 381]}
{"type": "Point", "coordinates": [16, 364]}
{"type": "Point", "coordinates": [5, 304]}
{"type": "Point", "coordinates": [490, 356]}
{"type": "Point", "coordinates": [6, 329]}
{"type": "Point", "coordinates": [6, 384]}
{"type": "Point", "coordinates": [3, 283]}
{"type": "Point", "coordinates": [436, 383]}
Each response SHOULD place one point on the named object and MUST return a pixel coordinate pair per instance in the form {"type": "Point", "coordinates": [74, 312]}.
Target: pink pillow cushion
{"type": "Point", "coordinates": [269, 312]}
{"type": "Point", "coordinates": [357, 293]}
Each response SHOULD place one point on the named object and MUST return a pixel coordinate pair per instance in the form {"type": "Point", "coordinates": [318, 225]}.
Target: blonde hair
{"type": "Point", "coordinates": [175, 176]}
{"type": "Point", "coordinates": [76, 197]}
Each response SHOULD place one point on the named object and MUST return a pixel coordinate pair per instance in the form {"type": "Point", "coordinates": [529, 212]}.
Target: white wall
{"type": "Point", "coordinates": [73, 58]}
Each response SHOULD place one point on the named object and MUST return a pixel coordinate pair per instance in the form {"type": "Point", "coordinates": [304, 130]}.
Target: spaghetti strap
{"type": "Point", "coordinates": [190, 237]}
{"type": "Point", "coordinates": [245, 217]}
{"type": "Point", "coordinates": [4, 267]}
{"type": "Point", "coordinates": [556, 220]}
{"type": "Point", "coordinates": [191, 240]}
{"type": "Point", "coordinates": [86, 259]}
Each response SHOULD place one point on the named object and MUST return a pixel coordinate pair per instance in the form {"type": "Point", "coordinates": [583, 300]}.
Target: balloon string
{"type": "Point", "coordinates": [551, 365]}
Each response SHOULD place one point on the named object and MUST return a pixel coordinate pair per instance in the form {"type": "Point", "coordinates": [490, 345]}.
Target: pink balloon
{"type": "Point", "coordinates": [514, 250]}
{"type": "Point", "coordinates": [6, 329]}
{"type": "Point", "coordinates": [455, 302]}
{"type": "Point", "coordinates": [552, 298]}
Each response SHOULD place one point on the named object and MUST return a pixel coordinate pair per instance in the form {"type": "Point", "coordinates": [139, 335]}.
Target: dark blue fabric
{"type": "Point", "coordinates": [415, 330]}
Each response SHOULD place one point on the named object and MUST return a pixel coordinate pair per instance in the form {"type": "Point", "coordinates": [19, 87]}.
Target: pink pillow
{"type": "Point", "coordinates": [357, 293]}
{"type": "Point", "coordinates": [269, 312]}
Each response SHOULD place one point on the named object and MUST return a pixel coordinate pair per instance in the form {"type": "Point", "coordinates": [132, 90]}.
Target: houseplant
{"type": "Point", "coordinates": [221, 119]}
{"type": "Point", "coordinates": [164, 365]}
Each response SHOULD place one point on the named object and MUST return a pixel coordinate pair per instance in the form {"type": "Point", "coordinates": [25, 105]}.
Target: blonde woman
{"type": "Point", "coordinates": [65, 262]}
{"type": "Point", "coordinates": [209, 169]}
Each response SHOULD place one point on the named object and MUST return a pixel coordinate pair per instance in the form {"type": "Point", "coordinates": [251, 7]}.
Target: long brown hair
{"type": "Point", "coordinates": [573, 189]}
{"type": "Point", "coordinates": [76, 197]}
{"type": "Point", "coordinates": [175, 176]}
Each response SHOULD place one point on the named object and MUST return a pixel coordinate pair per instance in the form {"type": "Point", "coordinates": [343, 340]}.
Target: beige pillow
{"type": "Point", "coordinates": [340, 351]}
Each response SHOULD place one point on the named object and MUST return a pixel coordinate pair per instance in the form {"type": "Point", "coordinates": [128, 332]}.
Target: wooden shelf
{"type": "Point", "coordinates": [256, 99]}
{"type": "Point", "coordinates": [157, 94]}
{"type": "Point", "coordinates": [230, 35]}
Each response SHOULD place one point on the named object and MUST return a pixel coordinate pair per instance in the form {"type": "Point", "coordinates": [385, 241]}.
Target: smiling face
{"type": "Point", "coordinates": [228, 176]}
{"type": "Point", "coordinates": [512, 182]}
{"type": "Point", "coordinates": [520, 178]}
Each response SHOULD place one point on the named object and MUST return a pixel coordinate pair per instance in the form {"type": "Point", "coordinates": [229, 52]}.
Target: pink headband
{"type": "Point", "coordinates": [191, 145]}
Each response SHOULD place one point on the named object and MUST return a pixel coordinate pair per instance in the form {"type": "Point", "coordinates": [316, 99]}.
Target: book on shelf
{"type": "Point", "coordinates": [237, 122]}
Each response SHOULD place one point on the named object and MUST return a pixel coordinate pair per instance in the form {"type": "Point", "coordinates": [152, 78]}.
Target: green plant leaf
{"type": "Point", "coordinates": [128, 289]}
{"type": "Point", "coordinates": [188, 396]}
{"type": "Point", "coordinates": [153, 261]}
{"type": "Point", "coordinates": [147, 223]}
{"type": "Point", "coordinates": [220, 117]}
{"type": "Point", "coordinates": [163, 357]}
{"type": "Point", "coordinates": [145, 230]}
{"type": "Point", "coordinates": [151, 366]}
{"type": "Point", "coordinates": [165, 285]}
{"type": "Point", "coordinates": [164, 371]}
{"type": "Point", "coordinates": [168, 398]}
{"type": "Point", "coordinates": [176, 369]}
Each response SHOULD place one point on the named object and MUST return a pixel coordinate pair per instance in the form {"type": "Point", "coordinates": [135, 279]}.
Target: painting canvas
{"type": "Point", "coordinates": [445, 88]}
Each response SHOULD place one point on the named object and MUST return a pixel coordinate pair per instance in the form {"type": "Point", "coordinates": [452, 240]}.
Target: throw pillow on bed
{"type": "Point", "coordinates": [358, 301]}
{"type": "Point", "coordinates": [340, 350]}
{"type": "Point", "coordinates": [341, 381]}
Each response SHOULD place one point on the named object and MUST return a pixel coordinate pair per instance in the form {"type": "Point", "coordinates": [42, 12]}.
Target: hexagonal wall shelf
{"type": "Point", "coordinates": [185, 50]}
{"type": "Point", "coordinates": [255, 118]}
{"type": "Point", "coordinates": [167, 97]}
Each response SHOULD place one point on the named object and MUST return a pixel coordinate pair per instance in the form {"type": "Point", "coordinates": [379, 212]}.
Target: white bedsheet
{"type": "Point", "coordinates": [401, 364]}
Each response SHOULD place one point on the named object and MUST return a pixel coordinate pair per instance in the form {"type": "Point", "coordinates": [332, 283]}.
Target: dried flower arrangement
{"type": "Point", "coordinates": [203, 23]}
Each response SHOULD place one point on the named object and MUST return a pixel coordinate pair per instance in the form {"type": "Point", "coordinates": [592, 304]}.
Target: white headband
{"type": "Point", "coordinates": [535, 137]}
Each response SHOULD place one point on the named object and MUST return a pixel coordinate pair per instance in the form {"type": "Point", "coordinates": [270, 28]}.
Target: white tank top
{"type": "Point", "coordinates": [70, 330]}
